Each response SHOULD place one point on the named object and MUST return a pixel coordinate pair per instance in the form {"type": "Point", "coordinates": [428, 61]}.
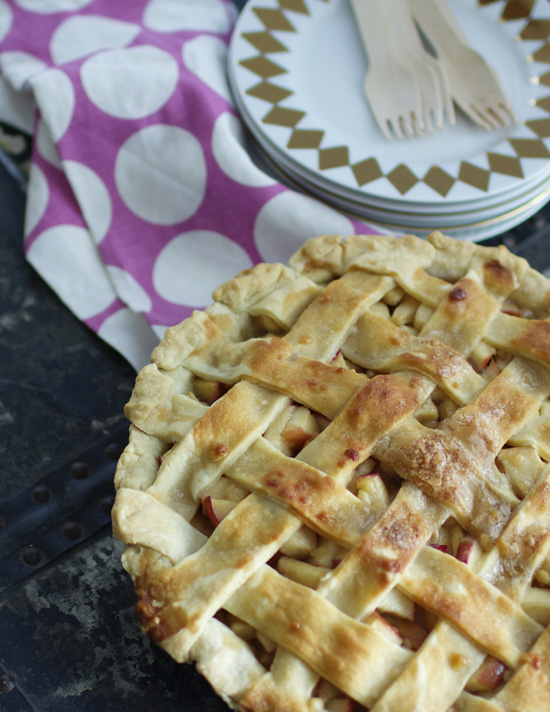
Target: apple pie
{"type": "Point", "coordinates": [336, 492]}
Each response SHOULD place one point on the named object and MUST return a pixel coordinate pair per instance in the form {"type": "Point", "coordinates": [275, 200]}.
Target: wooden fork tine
{"type": "Point", "coordinates": [396, 127]}
{"type": "Point", "coordinates": [384, 124]}
{"type": "Point", "coordinates": [501, 98]}
{"type": "Point", "coordinates": [490, 116]}
{"type": "Point", "coordinates": [499, 111]}
{"type": "Point", "coordinates": [418, 126]}
{"type": "Point", "coordinates": [406, 121]}
{"type": "Point", "coordinates": [477, 116]}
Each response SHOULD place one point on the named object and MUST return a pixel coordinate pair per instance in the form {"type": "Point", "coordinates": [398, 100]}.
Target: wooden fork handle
{"type": "Point", "coordinates": [437, 20]}
{"type": "Point", "coordinates": [372, 24]}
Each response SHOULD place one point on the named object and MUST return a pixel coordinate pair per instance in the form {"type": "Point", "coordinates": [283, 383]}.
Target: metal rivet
{"type": "Point", "coordinates": [31, 555]}
{"type": "Point", "coordinates": [114, 450]}
{"type": "Point", "coordinates": [80, 470]}
{"type": "Point", "coordinates": [7, 683]}
{"type": "Point", "coordinates": [41, 494]}
{"type": "Point", "coordinates": [72, 530]}
{"type": "Point", "coordinates": [106, 504]}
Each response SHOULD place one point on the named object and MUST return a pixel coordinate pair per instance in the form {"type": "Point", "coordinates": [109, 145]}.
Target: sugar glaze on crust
{"type": "Point", "coordinates": [336, 492]}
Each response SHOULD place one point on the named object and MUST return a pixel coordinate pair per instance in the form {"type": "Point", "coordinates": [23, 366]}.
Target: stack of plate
{"type": "Point", "coordinates": [297, 69]}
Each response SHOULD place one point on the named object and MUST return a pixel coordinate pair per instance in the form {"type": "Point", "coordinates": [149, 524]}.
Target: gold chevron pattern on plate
{"type": "Point", "coordinates": [268, 76]}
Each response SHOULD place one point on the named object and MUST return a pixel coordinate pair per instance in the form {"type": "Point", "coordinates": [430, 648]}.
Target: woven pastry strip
{"type": "Point", "coordinates": [414, 353]}
{"type": "Point", "coordinates": [454, 657]}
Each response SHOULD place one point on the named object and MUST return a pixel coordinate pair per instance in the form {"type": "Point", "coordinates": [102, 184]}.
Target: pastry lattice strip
{"type": "Point", "coordinates": [301, 338]}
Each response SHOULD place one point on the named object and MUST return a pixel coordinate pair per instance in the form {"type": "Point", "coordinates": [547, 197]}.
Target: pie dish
{"type": "Point", "coordinates": [336, 492]}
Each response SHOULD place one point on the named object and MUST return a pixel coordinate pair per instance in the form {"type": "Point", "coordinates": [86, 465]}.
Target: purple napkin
{"type": "Point", "coordinates": [142, 195]}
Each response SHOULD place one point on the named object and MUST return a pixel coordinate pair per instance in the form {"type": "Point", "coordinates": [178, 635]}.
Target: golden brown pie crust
{"type": "Point", "coordinates": [336, 493]}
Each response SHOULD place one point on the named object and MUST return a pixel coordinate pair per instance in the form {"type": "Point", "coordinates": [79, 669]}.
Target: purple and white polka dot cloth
{"type": "Point", "coordinates": [142, 196]}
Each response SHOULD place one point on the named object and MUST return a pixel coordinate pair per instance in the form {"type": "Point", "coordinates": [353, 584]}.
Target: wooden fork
{"type": "Point", "coordinates": [406, 88]}
{"type": "Point", "coordinates": [474, 84]}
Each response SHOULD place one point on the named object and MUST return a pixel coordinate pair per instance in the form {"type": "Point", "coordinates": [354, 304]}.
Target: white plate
{"type": "Point", "coordinates": [472, 225]}
{"type": "Point", "coordinates": [481, 229]}
{"type": "Point", "coordinates": [404, 212]}
{"type": "Point", "coordinates": [431, 220]}
{"type": "Point", "coordinates": [302, 70]}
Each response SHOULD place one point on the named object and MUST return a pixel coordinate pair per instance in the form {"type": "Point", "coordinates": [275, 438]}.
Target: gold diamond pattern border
{"type": "Point", "coordinates": [279, 19]}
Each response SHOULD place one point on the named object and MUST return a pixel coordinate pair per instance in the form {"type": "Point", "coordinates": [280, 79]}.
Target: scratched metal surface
{"type": "Point", "coordinates": [68, 637]}
{"type": "Point", "coordinates": [70, 643]}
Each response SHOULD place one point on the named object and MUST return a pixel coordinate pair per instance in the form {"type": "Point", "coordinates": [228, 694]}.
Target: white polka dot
{"type": "Point", "coordinates": [19, 67]}
{"type": "Point", "coordinates": [175, 15]}
{"type": "Point", "coordinates": [206, 57]}
{"type": "Point", "coordinates": [54, 94]}
{"type": "Point", "coordinates": [92, 196]}
{"type": "Point", "coordinates": [67, 259]}
{"type": "Point", "coordinates": [130, 334]}
{"type": "Point", "coordinates": [193, 264]}
{"type": "Point", "coordinates": [48, 7]}
{"type": "Point", "coordinates": [140, 81]}
{"type": "Point", "coordinates": [160, 173]}
{"type": "Point", "coordinates": [46, 147]}
{"type": "Point", "coordinates": [228, 147]}
{"type": "Point", "coordinates": [38, 195]}
{"type": "Point", "coordinates": [129, 289]}
{"type": "Point", "coordinates": [289, 219]}
{"type": "Point", "coordinates": [6, 19]}
{"type": "Point", "coordinates": [82, 35]}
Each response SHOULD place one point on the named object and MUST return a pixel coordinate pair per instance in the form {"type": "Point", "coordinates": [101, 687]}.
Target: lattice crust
{"type": "Point", "coordinates": [336, 491]}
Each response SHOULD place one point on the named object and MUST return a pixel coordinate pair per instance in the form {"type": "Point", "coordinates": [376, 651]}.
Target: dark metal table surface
{"type": "Point", "coordinates": [68, 637]}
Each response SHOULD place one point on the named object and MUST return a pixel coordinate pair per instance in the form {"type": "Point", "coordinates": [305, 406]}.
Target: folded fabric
{"type": "Point", "coordinates": [143, 195]}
